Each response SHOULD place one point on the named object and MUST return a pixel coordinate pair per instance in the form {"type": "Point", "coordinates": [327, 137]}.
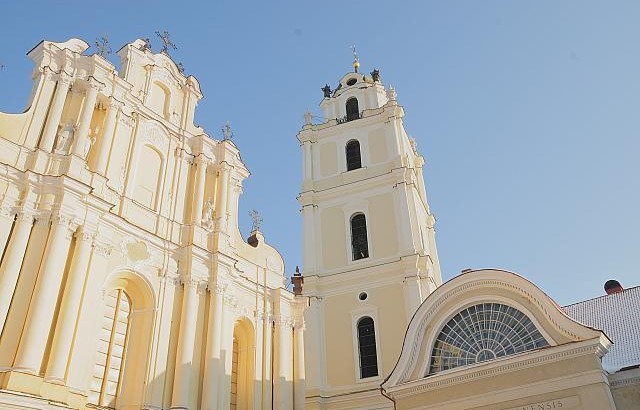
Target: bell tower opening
{"type": "Point", "coordinates": [353, 112]}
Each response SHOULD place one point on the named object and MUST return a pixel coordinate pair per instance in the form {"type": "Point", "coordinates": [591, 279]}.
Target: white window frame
{"type": "Point", "coordinates": [356, 315]}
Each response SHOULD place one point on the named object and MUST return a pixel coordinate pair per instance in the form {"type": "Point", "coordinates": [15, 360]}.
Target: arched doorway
{"type": "Point", "coordinates": [242, 366]}
{"type": "Point", "coordinates": [120, 361]}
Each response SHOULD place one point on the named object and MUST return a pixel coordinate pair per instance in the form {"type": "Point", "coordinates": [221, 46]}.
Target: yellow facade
{"type": "Point", "coordinates": [126, 284]}
{"type": "Point", "coordinates": [124, 279]}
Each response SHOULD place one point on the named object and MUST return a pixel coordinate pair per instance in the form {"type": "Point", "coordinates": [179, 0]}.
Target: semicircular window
{"type": "Point", "coordinates": [483, 332]}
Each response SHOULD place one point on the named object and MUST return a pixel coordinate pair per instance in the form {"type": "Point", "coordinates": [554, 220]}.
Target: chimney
{"type": "Point", "coordinates": [612, 286]}
{"type": "Point", "coordinates": [297, 279]}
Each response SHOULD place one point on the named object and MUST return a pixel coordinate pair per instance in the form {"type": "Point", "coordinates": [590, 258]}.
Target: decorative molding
{"type": "Point", "coordinates": [103, 249]}
{"type": "Point", "coordinates": [487, 369]}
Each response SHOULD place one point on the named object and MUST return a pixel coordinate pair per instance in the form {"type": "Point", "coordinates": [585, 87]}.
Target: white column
{"type": "Point", "coordinates": [224, 192]}
{"type": "Point", "coordinates": [55, 113]}
{"type": "Point", "coordinates": [226, 356]}
{"type": "Point", "coordinates": [186, 341]}
{"type": "Point", "coordinates": [284, 384]}
{"type": "Point", "coordinates": [86, 114]}
{"type": "Point", "coordinates": [212, 365]}
{"type": "Point", "coordinates": [45, 295]}
{"type": "Point", "coordinates": [68, 314]}
{"type": "Point", "coordinates": [198, 195]}
{"type": "Point", "coordinates": [309, 237]}
{"type": "Point", "coordinates": [12, 261]}
{"type": "Point", "coordinates": [104, 142]}
{"type": "Point", "coordinates": [298, 370]}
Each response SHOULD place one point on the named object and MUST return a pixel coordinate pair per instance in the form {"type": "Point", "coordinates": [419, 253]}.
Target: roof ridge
{"type": "Point", "coordinates": [601, 296]}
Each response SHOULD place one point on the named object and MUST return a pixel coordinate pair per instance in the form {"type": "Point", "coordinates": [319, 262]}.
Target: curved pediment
{"type": "Point", "coordinates": [495, 290]}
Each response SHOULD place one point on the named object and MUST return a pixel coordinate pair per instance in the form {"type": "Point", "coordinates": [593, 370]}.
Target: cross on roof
{"type": "Point", "coordinates": [102, 46]}
{"type": "Point", "coordinates": [167, 44]}
{"type": "Point", "coordinates": [256, 220]}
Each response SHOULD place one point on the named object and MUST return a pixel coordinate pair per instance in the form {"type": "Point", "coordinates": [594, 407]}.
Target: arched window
{"type": "Point", "coordinates": [484, 332]}
{"type": "Point", "coordinates": [367, 348]}
{"type": "Point", "coordinates": [359, 243]}
{"type": "Point", "coordinates": [354, 160]}
{"type": "Point", "coordinates": [353, 112]}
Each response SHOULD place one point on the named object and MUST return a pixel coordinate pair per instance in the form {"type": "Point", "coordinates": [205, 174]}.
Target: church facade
{"type": "Point", "coordinates": [125, 282]}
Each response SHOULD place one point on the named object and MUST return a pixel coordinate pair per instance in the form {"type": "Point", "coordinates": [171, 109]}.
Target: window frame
{"type": "Point", "coordinates": [356, 315]}
{"type": "Point", "coordinates": [455, 309]}
{"type": "Point", "coordinates": [351, 236]}
{"type": "Point", "coordinates": [346, 154]}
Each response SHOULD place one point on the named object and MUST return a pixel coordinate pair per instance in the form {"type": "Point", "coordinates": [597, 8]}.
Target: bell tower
{"type": "Point", "coordinates": [369, 247]}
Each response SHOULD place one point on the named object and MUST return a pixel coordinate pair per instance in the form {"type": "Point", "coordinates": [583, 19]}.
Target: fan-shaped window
{"type": "Point", "coordinates": [367, 348]}
{"type": "Point", "coordinates": [354, 160]}
{"type": "Point", "coordinates": [359, 243]}
{"type": "Point", "coordinates": [353, 112]}
{"type": "Point", "coordinates": [484, 332]}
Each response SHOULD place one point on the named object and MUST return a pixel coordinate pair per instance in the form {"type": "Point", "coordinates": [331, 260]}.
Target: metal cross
{"type": "Point", "coordinates": [256, 220]}
{"type": "Point", "coordinates": [102, 46]}
{"type": "Point", "coordinates": [355, 52]}
{"type": "Point", "coordinates": [167, 44]}
{"type": "Point", "coordinates": [227, 132]}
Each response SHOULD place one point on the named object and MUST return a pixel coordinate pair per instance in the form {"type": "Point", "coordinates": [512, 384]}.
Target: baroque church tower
{"type": "Point", "coordinates": [370, 257]}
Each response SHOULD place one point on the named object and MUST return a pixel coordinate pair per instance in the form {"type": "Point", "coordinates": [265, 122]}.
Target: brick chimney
{"type": "Point", "coordinates": [297, 279]}
{"type": "Point", "coordinates": [612, 286]}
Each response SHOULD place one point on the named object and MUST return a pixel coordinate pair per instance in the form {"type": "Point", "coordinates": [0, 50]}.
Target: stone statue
{"type": "Point", "coordinates": [65, 136]}
{"type": "Point", "coordinates": [375, 75]}
{"type": "Point", "coordinates": [308, 118]}
{"type": "Point", "coordinates": [207, 215]}
{"type": "Point", "coordinates": [327, 91]}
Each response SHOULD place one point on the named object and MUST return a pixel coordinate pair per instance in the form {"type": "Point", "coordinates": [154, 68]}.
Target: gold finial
{"type": "Point", "coordinates": [356, 61]}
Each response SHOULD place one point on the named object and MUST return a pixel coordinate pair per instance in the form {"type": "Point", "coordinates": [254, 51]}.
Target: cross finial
{"type": "Point", "coordinates": [102, 46]}
{"type": "Point", "coordinates": [356, 60]}
{"type": "Point", "coordinates": [167, 44]}
{"type": "Point", "coordinates": [256, 220]}
{"type": "Point", "coordinates": [227, 132]}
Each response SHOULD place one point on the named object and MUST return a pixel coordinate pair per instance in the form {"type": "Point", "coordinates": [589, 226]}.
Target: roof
{"type": "Point", "coordinates": [617, 315]}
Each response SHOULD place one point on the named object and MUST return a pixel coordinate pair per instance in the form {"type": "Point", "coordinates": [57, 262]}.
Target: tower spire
{"type": "Point", "coordinates": [356, 61]}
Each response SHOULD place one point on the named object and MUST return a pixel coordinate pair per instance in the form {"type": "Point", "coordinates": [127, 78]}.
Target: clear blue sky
{"type": "Point", "coordinates": [528, 112]}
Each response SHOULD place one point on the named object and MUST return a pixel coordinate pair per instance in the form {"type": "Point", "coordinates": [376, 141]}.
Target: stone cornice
{"type": "Point", "coordinates": [496, 367]}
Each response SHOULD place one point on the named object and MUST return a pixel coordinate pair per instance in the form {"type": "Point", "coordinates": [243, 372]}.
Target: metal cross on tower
{"type": "Point", "coordinates": [256, 220]}
{"type": "Point", "coordinates": [102, 46]}
{"type": "Point", "coordinates": [167, 44]}
{"type": "Point", "coordinates": [227, 132]}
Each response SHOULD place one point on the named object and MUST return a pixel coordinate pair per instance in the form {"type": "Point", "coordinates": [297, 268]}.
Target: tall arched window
{"type": "Point", "coordinates": [353, 112]}
{"type": "Point", "coordinates": [367, 348]}
{"type": "Point", "coordinates": [359, 243]}
{"type": "Point", "coordinates": [352, 150]}
{"type": "Point", "coordinates": [484, 332]}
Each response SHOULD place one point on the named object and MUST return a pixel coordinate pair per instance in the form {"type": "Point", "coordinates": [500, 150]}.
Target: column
{"type": "Point", "coordinates": [226, 357]}
{"type": "Point", "coordinates": [12, 261]}
{"type": "Point", "coordinates": [68, 314]}
{"type": "Point", "coordinates": [186, 341]}
{"type": "Point", "coordinates": [85, 118]}
{"type": "Point", "coordinates": [104, 142]}
{"type": "Point", "coordinates": [212, 365]}
{"type": "Point", "coordinates": [198, 195]}
{"type": "Point", "coordinates": [44, 298]}
{"type": "Point", "coordinates": [284, 384]}
{"type": "Point", "coordinates": [224, 192]}
{"type": "Point", "coordinates": [298, 370]}
{"type": "Point", "coordinates": [309, 237]}
{"type": "Point", "coordinates": [55, 112]}
{"type": "Point", "coordinates": [307, 169]}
